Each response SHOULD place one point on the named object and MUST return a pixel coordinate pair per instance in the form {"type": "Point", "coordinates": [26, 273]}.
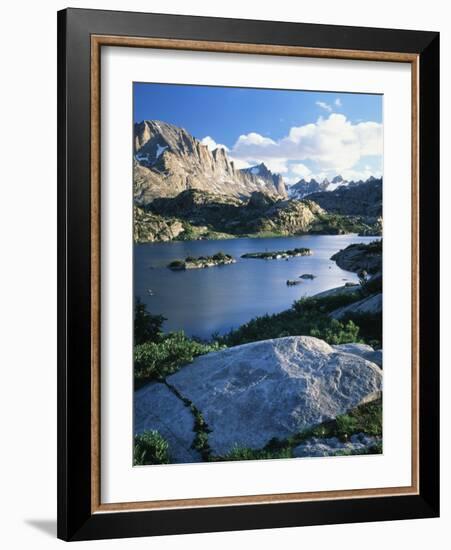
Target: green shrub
{"type": "Point", "coordinates": [376, 448]}
{"type": "Point", "coordinates": [156, 360]}
{"type": "Point", "coordinates": [244, 453]}
{"type": "Point", "coordinates": [337, 332]}
{"type": "Point", "coordinates": [346, 425]}
{"type": "Point", "coordinates": [150, 448]}
{"type": "Point", "coordinates": [366, 418]}
{"type": "Point", "coordinates": [201, 430]}
{"type": "Point", "coordinates": [370, 327]}
{"type": "Point", "coordinates": [326, 304]}
{"type": "Point", "coordinates": [147, 327]}
{"type": "Point", "coordinates": [219, 256]}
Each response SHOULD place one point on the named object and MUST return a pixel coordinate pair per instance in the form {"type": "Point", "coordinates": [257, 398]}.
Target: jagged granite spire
{"type": "Point", "coordinates": [169, 160]}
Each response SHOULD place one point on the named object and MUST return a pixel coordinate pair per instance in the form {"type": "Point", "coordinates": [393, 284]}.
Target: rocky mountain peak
{"type": "Point", "coordinates": [262, 176]}
{"type": "Point", "coordinates": [169, 160]}
{"type": "Point", "coordinates": [263, 170]}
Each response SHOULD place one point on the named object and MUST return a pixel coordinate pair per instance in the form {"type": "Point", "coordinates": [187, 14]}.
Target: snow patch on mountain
{"type": "Point", "coordinates": [304, 188]}
{"type": "Point", "coordinates": [160, 150]}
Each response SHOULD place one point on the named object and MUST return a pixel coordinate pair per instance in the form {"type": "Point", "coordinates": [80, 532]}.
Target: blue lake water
{"type": "Point", "coordinates": [217, 299]}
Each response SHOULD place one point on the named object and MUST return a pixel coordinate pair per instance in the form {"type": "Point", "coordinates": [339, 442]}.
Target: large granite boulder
{"type": "Point", "coordinates": [252, 393]}
{"type": "Point", "coordinates": [156, 407]}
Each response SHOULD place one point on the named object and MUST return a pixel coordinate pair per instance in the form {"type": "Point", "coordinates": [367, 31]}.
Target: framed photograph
{"type": "Point", "coordinates": [248, 274]}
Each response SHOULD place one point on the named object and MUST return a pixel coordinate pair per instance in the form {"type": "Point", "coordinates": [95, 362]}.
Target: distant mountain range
{"type": "Point", "coordinates": [169, 160]}
{"type": "Point", "coordinates": [355, 198]}
{"type": "Point", "coordinates": [303, 188]}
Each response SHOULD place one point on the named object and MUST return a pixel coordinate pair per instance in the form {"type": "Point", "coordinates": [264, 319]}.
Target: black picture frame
{"type": "Point", "coordinates": [76, 521]}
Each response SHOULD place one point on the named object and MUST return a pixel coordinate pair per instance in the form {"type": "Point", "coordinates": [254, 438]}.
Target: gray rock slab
{"type": "Point", "coordinates": [330, 446]}
{"type": "Point", "coordinates": [156, 407]}
{"type": "Point", "coordinates": [338, 291]}
{"type": "Point", "coordinates": [362, 350]}
{"type": "Point", "coordinates": [252, 393]}
{"type": "Point", "coordinates": [371, 305]}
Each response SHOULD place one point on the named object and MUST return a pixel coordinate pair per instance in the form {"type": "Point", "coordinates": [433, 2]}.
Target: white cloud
{"type": "Point", "coordinates": [249, 140]}
{"type": "Point", "coordinates": [338, 102]}
{"type": "Point", "coordinates": [251, 148]}
{"type": "Point", "coordinates": [324, 106]}
{"type": "Point", "coordinates": [356, 175]}
{"type": "Point", "coordinates": [301, 170]}
{"type": "Point", "coordinates": [331, 145]}
{"type": "Point", "coordinates": [276, 165]}
{"type": "Point", "coordinates": [212, 145]}
{"type": "Point", "coordinates": [240, 164]}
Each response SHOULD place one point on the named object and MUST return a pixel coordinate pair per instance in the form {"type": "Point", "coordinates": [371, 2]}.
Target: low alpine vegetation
{"type": "Point", "coordinates": [150, 448]}
{"type": "Point", "coordinates": [307, 317]}
{"type": "Point", "coordinates": [154, 360]}
{"type": "Point", "coordinates": [157, 355]}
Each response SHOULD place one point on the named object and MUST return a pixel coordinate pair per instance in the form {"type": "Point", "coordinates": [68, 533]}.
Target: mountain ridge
{"type": "Point", "coordinates": [304, 188]}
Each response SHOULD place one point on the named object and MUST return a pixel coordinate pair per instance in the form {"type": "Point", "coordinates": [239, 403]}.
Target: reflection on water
{"type": "Point", "coordinates": [217, 299]}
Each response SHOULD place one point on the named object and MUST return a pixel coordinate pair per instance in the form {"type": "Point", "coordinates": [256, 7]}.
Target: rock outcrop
{"type": "Point", "coordinates": [340, 291]}
{"type": "Point", "coordinates": [261, 213]}
{"type": "Point", "coordinates": [252, 393]}
{"type": "Point", "coordinates": [287, 218]}
{"type": "Point", "coordinates": [360, 257]}
{"type": "Point", "coordinates": [149, 227]}
{"type": "Point", "coordinates": [156, 407]}
{"type": "Point", "coordinates": [372, 305]}
{"type": "Point", "coordinates": [362, 350]}
{"type": "Point", "coordinates": [332, 446]}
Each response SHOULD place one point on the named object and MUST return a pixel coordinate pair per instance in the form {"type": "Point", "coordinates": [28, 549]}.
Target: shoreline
{"type": "Point", "coordinates": [256, 237]}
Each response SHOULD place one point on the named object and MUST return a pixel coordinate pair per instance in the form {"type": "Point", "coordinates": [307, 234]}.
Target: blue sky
{"type": "Point", "coordinates": [297, 133]}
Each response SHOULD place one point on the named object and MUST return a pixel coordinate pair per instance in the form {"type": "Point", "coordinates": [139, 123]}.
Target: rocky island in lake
{"type": "Point", "coordinates": [201, 262]}
{"type": "Point", "coordinates": [260, 359]}
{"type": "Point", "coordinates": [278, 255]}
